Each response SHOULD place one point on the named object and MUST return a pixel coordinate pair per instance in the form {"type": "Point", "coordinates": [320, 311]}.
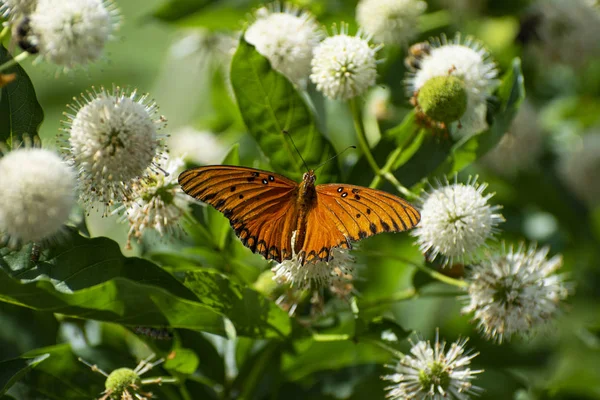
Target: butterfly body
{"type": "Point", "coordinates": [268, 210]}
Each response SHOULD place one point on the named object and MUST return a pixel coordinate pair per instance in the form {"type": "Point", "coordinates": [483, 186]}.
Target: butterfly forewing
{"type": "Point", "coordinates": [361, 212]}
{"type": "Point", "coordinates": [260, 205]}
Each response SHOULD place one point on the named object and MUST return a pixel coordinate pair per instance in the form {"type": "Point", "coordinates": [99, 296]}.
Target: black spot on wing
{"type": "Point", "coordinates": [373, 228]}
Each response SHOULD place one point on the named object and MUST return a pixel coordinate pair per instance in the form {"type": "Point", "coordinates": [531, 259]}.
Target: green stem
{"type": "Point", "coordinates": [362, 137]}
{"type": "Point", "coordinates": [394, 298]}
{"type": "Point", "coordinates": [4, 31]}
{"type": "Point", "coordinates": [386, 173]}
{"type": "Point", "coordinates": [389, 349]}
{"type": "Point", "coordinates": [20, 57]}
{"type": "Point", "coordinates": [434, 274]}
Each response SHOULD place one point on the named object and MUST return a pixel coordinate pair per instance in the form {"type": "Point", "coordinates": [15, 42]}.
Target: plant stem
{"type": "Point", "coordinates": [20, 57]}
{"type": "Point", "coordinates": [4, 31]}
{"type": "Point", "coordinates": [394, 298]}
{"type": "Point", "coordinates": [434, 274]}
{"type": "Point", "coordinates": [362, 137]}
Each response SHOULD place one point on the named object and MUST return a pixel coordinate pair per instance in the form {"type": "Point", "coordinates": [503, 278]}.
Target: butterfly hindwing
{"type": "Point", "coordinates": [260, 205]}
{"type": "Point", "coordinates": [361, 212]}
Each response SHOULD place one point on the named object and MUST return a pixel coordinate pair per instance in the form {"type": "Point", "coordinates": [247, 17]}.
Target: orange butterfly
{"type": "Point", "coordinates": [265, 208]}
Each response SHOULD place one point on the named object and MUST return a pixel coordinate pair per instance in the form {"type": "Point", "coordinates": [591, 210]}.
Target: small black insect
{"type": "Point", "coordinates": [154, 333]}
{"type": "Point", "coordinates": [24, 37]}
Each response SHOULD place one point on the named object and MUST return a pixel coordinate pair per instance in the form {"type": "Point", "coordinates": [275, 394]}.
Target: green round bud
{"type": "Point", "coordinates": [443, 98]}
{"type": "Point", "coordinates": [119, 380]}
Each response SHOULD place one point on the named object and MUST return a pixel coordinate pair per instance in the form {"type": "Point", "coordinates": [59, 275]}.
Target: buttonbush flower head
{"type": "Point", "coordinates": [69, 33]}
{"type": "Point", "coordinates": [344, 66]}
{"type": "Point", "coordinates": [126, 383]}
{"type": "Point", "coordinates": [337, 272]}
{"type": "Point", "coordinates": [15, 8]}
{"type": "Point", "coordinates": [38, 194]}
{"type": "Point", "coordinates": [566, 31]}
{"type": "Point", "coordinates": [113, 141]}
{"type": "Point", "coordinates": [520, 147]}
{"type": "Point", "coordinates": [433, 373]}
{"type": "Point", "coordinates": [579, 166]}
{"type": "Point", "coordinates": [390, 21]}
{"type": "Point", "coordinates": [456, 220]}
{"type": "Point", "coordinates": [158, 201]}
{"type": "Point", "coordinates": [466, 69]}
{"type": "Point", "coordinates": [287, 38]}
{"type": "Point", "coordinates": [198, 147]}
{"type": "Point", "coordinates": [514, 292]}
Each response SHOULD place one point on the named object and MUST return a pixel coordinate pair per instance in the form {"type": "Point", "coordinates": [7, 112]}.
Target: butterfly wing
{"type": "Point", "coordinates": [346, 213]}
{"type": "Point", "coordinates": [260, 205]}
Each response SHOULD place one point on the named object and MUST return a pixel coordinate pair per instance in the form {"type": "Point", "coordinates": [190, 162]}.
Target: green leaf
{"type": "Point", "coordinates": [185, 362]}
{"type": "Point", "coordinates": [251, 313]}
{"type": "Point", "coordinates": [63, 376]}
{"type": "Point", "coordinates": [13, 370]}
{"type": "Point", "coordinates": [510, 94]}
{"type": "Point", "coordinates": [374, 329]}
{"type": "Point", "coordinates": [90, 278]}
{"type": "Point", "coordinates": [332, 355]}
{"type": "Point", "coordinates": [270, 105]}
{"type": "Point", "coordinates": [20, 112]}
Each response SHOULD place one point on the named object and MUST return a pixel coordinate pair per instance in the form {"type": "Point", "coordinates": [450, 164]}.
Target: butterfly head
{"type": "Point", "coordinates": [309, 177]}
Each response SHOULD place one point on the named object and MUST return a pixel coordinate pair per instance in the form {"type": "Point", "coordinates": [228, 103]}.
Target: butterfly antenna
{"type": "Point", "coordinates": [297, 151]}
{"type": "Point", "coordinates": [338, 154]}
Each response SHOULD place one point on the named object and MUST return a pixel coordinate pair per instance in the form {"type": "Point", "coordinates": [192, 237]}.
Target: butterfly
{"type": "Point", "coordinates": [280, 218]}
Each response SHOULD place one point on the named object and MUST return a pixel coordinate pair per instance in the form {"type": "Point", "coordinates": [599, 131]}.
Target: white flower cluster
{"type": "Point", "coordinates": [464, 59]}
{"type": "Point", "coordinates": [456, 220]}
{"type": "Point", "coordinates": [390, 21]}
{"type": "Point", "coordinates": [566, 31]}
{"type": "Point", "coordinates": [112, 141]}
{"type": "Point", "coordinates": [335, 274]}
{"type": "Point", "coordinates": [38, 194]}
{"type": "Point", "coordinates": [520, 147]}
{"type": "Point", "coordinates": [158, 203]}
{"type": "Point", "coordinates": [16, 8]}
{"type": "Point", "coordinates": [578, 167]}
{"type": "Point", "coordinates": [287, 38]}
{"type": "Point", "coordinates": [432, 373]}
{"type": "Point", "coordinates": [514, 292]}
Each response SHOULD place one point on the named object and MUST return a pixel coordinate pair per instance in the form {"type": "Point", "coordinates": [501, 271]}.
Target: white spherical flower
{"type": "Point", "coordinates": [113, 141]}
{"type": "Point", "coordinates": [73, 32]}
{"type": "Point", "coordinates": [579, 166]}
{"type": "Point", "coordinates": [15, 8]}
{"type": "Point", "coordinates": [287, 38]}
{"type": "Point", "coordinates": [344, 66]}
{"type": "Point", "coordinates": [433, 373]}
{"type": "Point", "coordinates": [198, 147]}
{"type": "Point", "coordinates": [390, 21]}
{"type": "Point", "coordinates": [514, 292]}
{"type": "Point", "coordinates": [520, 147]}
{"type": "Point", "coordinates": [38, 193]}
{"type": "Point", "coordinates": [456, 220]}
{"type": "Point", "coordinates": [335, 273]}
{"type": "Point", "coordinates": [470, 62]}
{"type": "Point", "coordinates": [158, 202]}
{"type": "Point", "coordinates": [566, 31]}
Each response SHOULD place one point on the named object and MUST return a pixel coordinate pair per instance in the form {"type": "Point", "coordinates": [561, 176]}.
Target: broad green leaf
{"type": "Point", "coordinates": [20, 112]}
{"type": "Point", "coordinates": [510, 94]}
{"type": "Point", "coordinates": [117, 300]}
{"type": "Point", "coordinates": [13, 370]}
{"type": "Point", "coordinates": [63, 376]}
{"type": "Point", "coordinates": [185, 361]}
{"type": "Point", "coordinates": [332, 355]}
{"type": "Point", "coordinates": [251, 313]}
{"type": "Point", "coordinates": [78, 262]}
{"type": "Point", "coordinates": [376, 328]}
{"type": "Point", "coordinates": [270, 105]}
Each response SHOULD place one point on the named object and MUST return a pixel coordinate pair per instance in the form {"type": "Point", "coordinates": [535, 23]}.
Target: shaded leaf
{"type": "Point", "coordinates": [185, 361]}
{"type": "Point", "coordinates": [20, 112]}
{"type": "Point", "coordinates": [270, 105]}
{"type": "Point", "coordinates": [251, 313]}
{"type": "Point", "coordinates": [13, 370]}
